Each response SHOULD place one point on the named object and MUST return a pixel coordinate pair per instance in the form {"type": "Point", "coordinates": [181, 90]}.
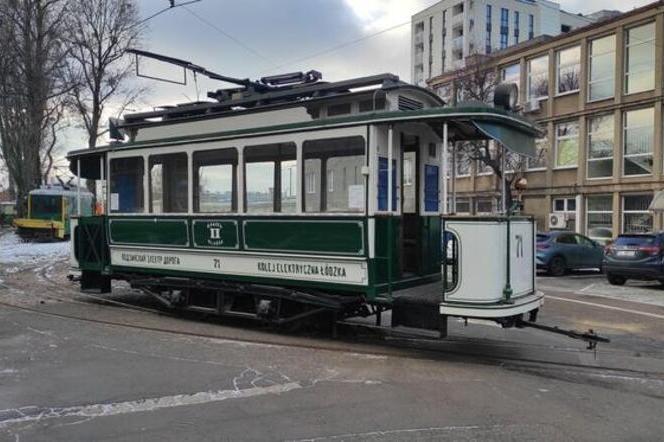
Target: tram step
{"type": "Point", "coordinates": [411, 313]}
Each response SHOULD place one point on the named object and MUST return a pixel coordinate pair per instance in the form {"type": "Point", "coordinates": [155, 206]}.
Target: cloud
{"type": "Point", "coordinates": [381, 14]}
{"type": "Point", "coordinates": [589, 6]}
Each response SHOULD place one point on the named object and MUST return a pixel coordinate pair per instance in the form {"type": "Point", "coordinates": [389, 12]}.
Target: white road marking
{"type": "Point", "coordinates": [33, 413]}
{"type": "Point", "coordinates": [412, 431]}
{"type": "Point", "coordinates": [608, 307]}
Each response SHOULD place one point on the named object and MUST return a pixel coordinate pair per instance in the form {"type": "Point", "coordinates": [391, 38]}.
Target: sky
{"type": "Point", "coordinates": [253, 38]}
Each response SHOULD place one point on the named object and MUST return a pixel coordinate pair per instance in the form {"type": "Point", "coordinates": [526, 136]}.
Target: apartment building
{"type": "Point", "coordinates": [444, 34]}
{"type": "Point", "coordinates": [597, 92]}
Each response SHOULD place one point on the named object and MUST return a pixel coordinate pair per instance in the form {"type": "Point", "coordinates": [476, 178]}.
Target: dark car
{"type": "Point", "coordinates": [561, 251]}
{"type": "Point", "coordinates": [635, 256]}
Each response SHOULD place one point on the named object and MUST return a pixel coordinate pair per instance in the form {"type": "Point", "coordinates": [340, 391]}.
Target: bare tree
{"type": "Point", "coordinates": [476, 83]}
{"type": "Point", "coordinates": [32, 60]}
{"type": "Point", "coordinates": [99, 33]}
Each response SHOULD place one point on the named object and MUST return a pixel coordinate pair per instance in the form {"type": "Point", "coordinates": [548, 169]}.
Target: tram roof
{"type": "Point", "coordinates": [465, 123]}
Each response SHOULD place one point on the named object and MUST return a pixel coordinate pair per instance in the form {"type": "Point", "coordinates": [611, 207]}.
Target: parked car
{"type": "Point", "coordinates": [561, 251]}
{"type": "Point", "coordinates": [603, 235]}
{"type": "Point", "coordinates": [635, 256]}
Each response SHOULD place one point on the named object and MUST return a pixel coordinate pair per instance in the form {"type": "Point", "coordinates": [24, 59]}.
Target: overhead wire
{"type": "Point", "coordinates": [227, 35]}
{"type": "Point", "coordinates": [339, 46]}
{"type": "Point", "coordinates": [173, 5]}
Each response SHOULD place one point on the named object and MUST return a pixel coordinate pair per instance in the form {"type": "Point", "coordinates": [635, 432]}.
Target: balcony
{"type": "Point", "coordinates": [418, 39]}
{"type": "Point", "coordinates": [457, 44]}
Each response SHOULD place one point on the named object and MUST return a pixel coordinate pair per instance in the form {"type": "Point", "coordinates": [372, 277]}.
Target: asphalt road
{"type": "Point", "coordinates": [78, 379]}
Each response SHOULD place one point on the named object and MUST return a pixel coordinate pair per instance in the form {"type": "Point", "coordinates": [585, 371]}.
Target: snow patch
{"type": "Point", "coordinates": [13, 250]}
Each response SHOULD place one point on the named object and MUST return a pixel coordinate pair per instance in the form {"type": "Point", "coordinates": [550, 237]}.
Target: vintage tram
{"type": "Point", "coordinates": [50, 209]}
{"type": "Point", "coordinates": [295, 198]}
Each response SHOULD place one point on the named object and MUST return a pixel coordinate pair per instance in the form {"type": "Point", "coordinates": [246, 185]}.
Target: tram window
{"type": "Point", "coordinates": [450, 254]}
{"type": "Point", "coordinates": [168, 183]}
{"type": "Point", "coordinates": [269, 167]}
{"type": "Point", "coordinates": [368, 105]}
{"type": "Point", "coordinates": [338, 109]}
{"type": "Point", "coordinates": [127, 185]}
{"type": "Point", "coordinates": [382, 184]}
{"type": "Point", "coordinates": [431, 180]}
{"type": "Point", "coordinates": [215, 181]}
{"type": "Point", "coordinates": [338, 159]}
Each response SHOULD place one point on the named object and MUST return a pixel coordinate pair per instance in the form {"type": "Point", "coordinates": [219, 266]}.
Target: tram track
{"type": "Point", "coordinates": [503, 354]}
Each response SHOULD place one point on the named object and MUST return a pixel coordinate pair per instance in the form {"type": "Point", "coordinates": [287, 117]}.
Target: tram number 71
{"type": "Point", "coordinates": [519, 246]}
{"type": "Point", "coordinates": [216, 263]}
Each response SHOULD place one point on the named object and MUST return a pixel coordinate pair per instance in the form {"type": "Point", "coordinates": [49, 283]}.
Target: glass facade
{"type": "Point", "coordinates": [638, 138]}
{"type": "Point", "coordinates": [516, 27]}
{"type": "Point", "coordinates": [599, 218]}
{"type": "Point", "coordinates": [511, 74]}
{"type": "Point", "coordinates": [600, 146]}
{"type": "Point", "coordinates": [567, 144]}
{"type": "Point", "coordinates": [640, 58]}
{"type": "Point", "coordinates": [542, 152]}
{"type": "Point", "coordinates": [568, 69]}
{"type": "Point", "coordinates": [538, 77]}
{"type": "Point", "coordinates": [504, 27]}
{"type": "Point", "coordinates": [487, 42]}
{"type": "Point", "coordinates": [531, 26]}
{"type": "Point", "coordinates": [601, 68]}
{"type": "Point", "coordinates": [636, 217]}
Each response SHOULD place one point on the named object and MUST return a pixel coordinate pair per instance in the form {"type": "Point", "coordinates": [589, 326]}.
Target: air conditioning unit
{"type": "Point", "coordinates": [558, 220]}
{"type": "Point", "coordinates": [531, 106]}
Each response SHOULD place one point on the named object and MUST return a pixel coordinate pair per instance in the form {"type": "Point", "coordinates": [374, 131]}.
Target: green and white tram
{"type": "Point", "coordinates": [284, 200]}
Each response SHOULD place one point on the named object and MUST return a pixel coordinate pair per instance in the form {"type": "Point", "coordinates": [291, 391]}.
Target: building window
{"type": "Point", "coordinates": [531, 26]}
{"type": "Point", "coordinates": [564, 205]}
{"type": "Point", "coordinates": [482, 167]}
{"type": "Point", "coordinates": [127, 185]}
{"type": "Point", "coordinates": [444, 34]}
{"type": "Point", "coordinates": [511, 74]}
{"type": "Point", "coordinates": [269, 178]}
{"type": "Point", "coordinates": [599, 219]}
{"type": "Point", "coordinates": [462, 163]}
{"type": "Point", "coordinates": [541, 153]}
{"type": "Point", "coordinates": [638, 141]}
{"type": "Point", "coordinates": [444, 91]}
{"type": "Point", "coordinates": [463, 205]}
{"type": "Point", "coordinates": [602, 68]}
{"type": "Point", "coordinates": [640, 59]}
{"type": "Point", "coordinates": [325, 161]}
{"type": "Point", "coordinates": [636, 217]}
{"type": "Point", "coordinates": [538, 78]}
{"type": "Point", "coordinates": [568, 69]}
{"type": "Point", "coordinates": [504, 27]}
{"type": "Point", "coordinates": [169, 183]}
{"type": "Point", "coordinates": [516, 27]}
{"type": "Point", "coordinates": [567, 144]}
{"type": "Point", "coordinates": [484, 205]}
{"type": "Point", "coordinates": [488, 29]}
{"type": "Point", "coordinates": [600, 146]}
{"type": "Point", "coordinates": [215, 188]}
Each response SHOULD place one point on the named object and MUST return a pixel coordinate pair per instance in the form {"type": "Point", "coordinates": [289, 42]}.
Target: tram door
{"type": "Point", "coordinates": [410, 221]}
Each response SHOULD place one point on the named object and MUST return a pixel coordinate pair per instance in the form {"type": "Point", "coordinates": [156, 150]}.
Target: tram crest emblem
{"type": "Point", "coordinates": [214, 230]}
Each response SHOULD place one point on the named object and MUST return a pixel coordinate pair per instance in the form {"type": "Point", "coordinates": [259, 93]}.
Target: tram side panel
{"type": "Point", "coordinates": [492, 272]}
{"type": "Point", "coordinates": [324, 253]}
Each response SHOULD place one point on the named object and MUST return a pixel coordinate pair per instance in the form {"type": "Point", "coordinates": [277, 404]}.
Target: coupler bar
{"type": "Point", "coordinates": [590, 336]}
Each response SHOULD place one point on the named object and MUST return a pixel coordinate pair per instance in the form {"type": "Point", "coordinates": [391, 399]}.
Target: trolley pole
{"type": "Point", "coordinates": [78, 186]}
{"type": "Point", "coordinates": [443, 170]}
{"type": "Point", "coordinates": [390, 153]}
{"type": "Point", "coordinates": [507, 291]}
